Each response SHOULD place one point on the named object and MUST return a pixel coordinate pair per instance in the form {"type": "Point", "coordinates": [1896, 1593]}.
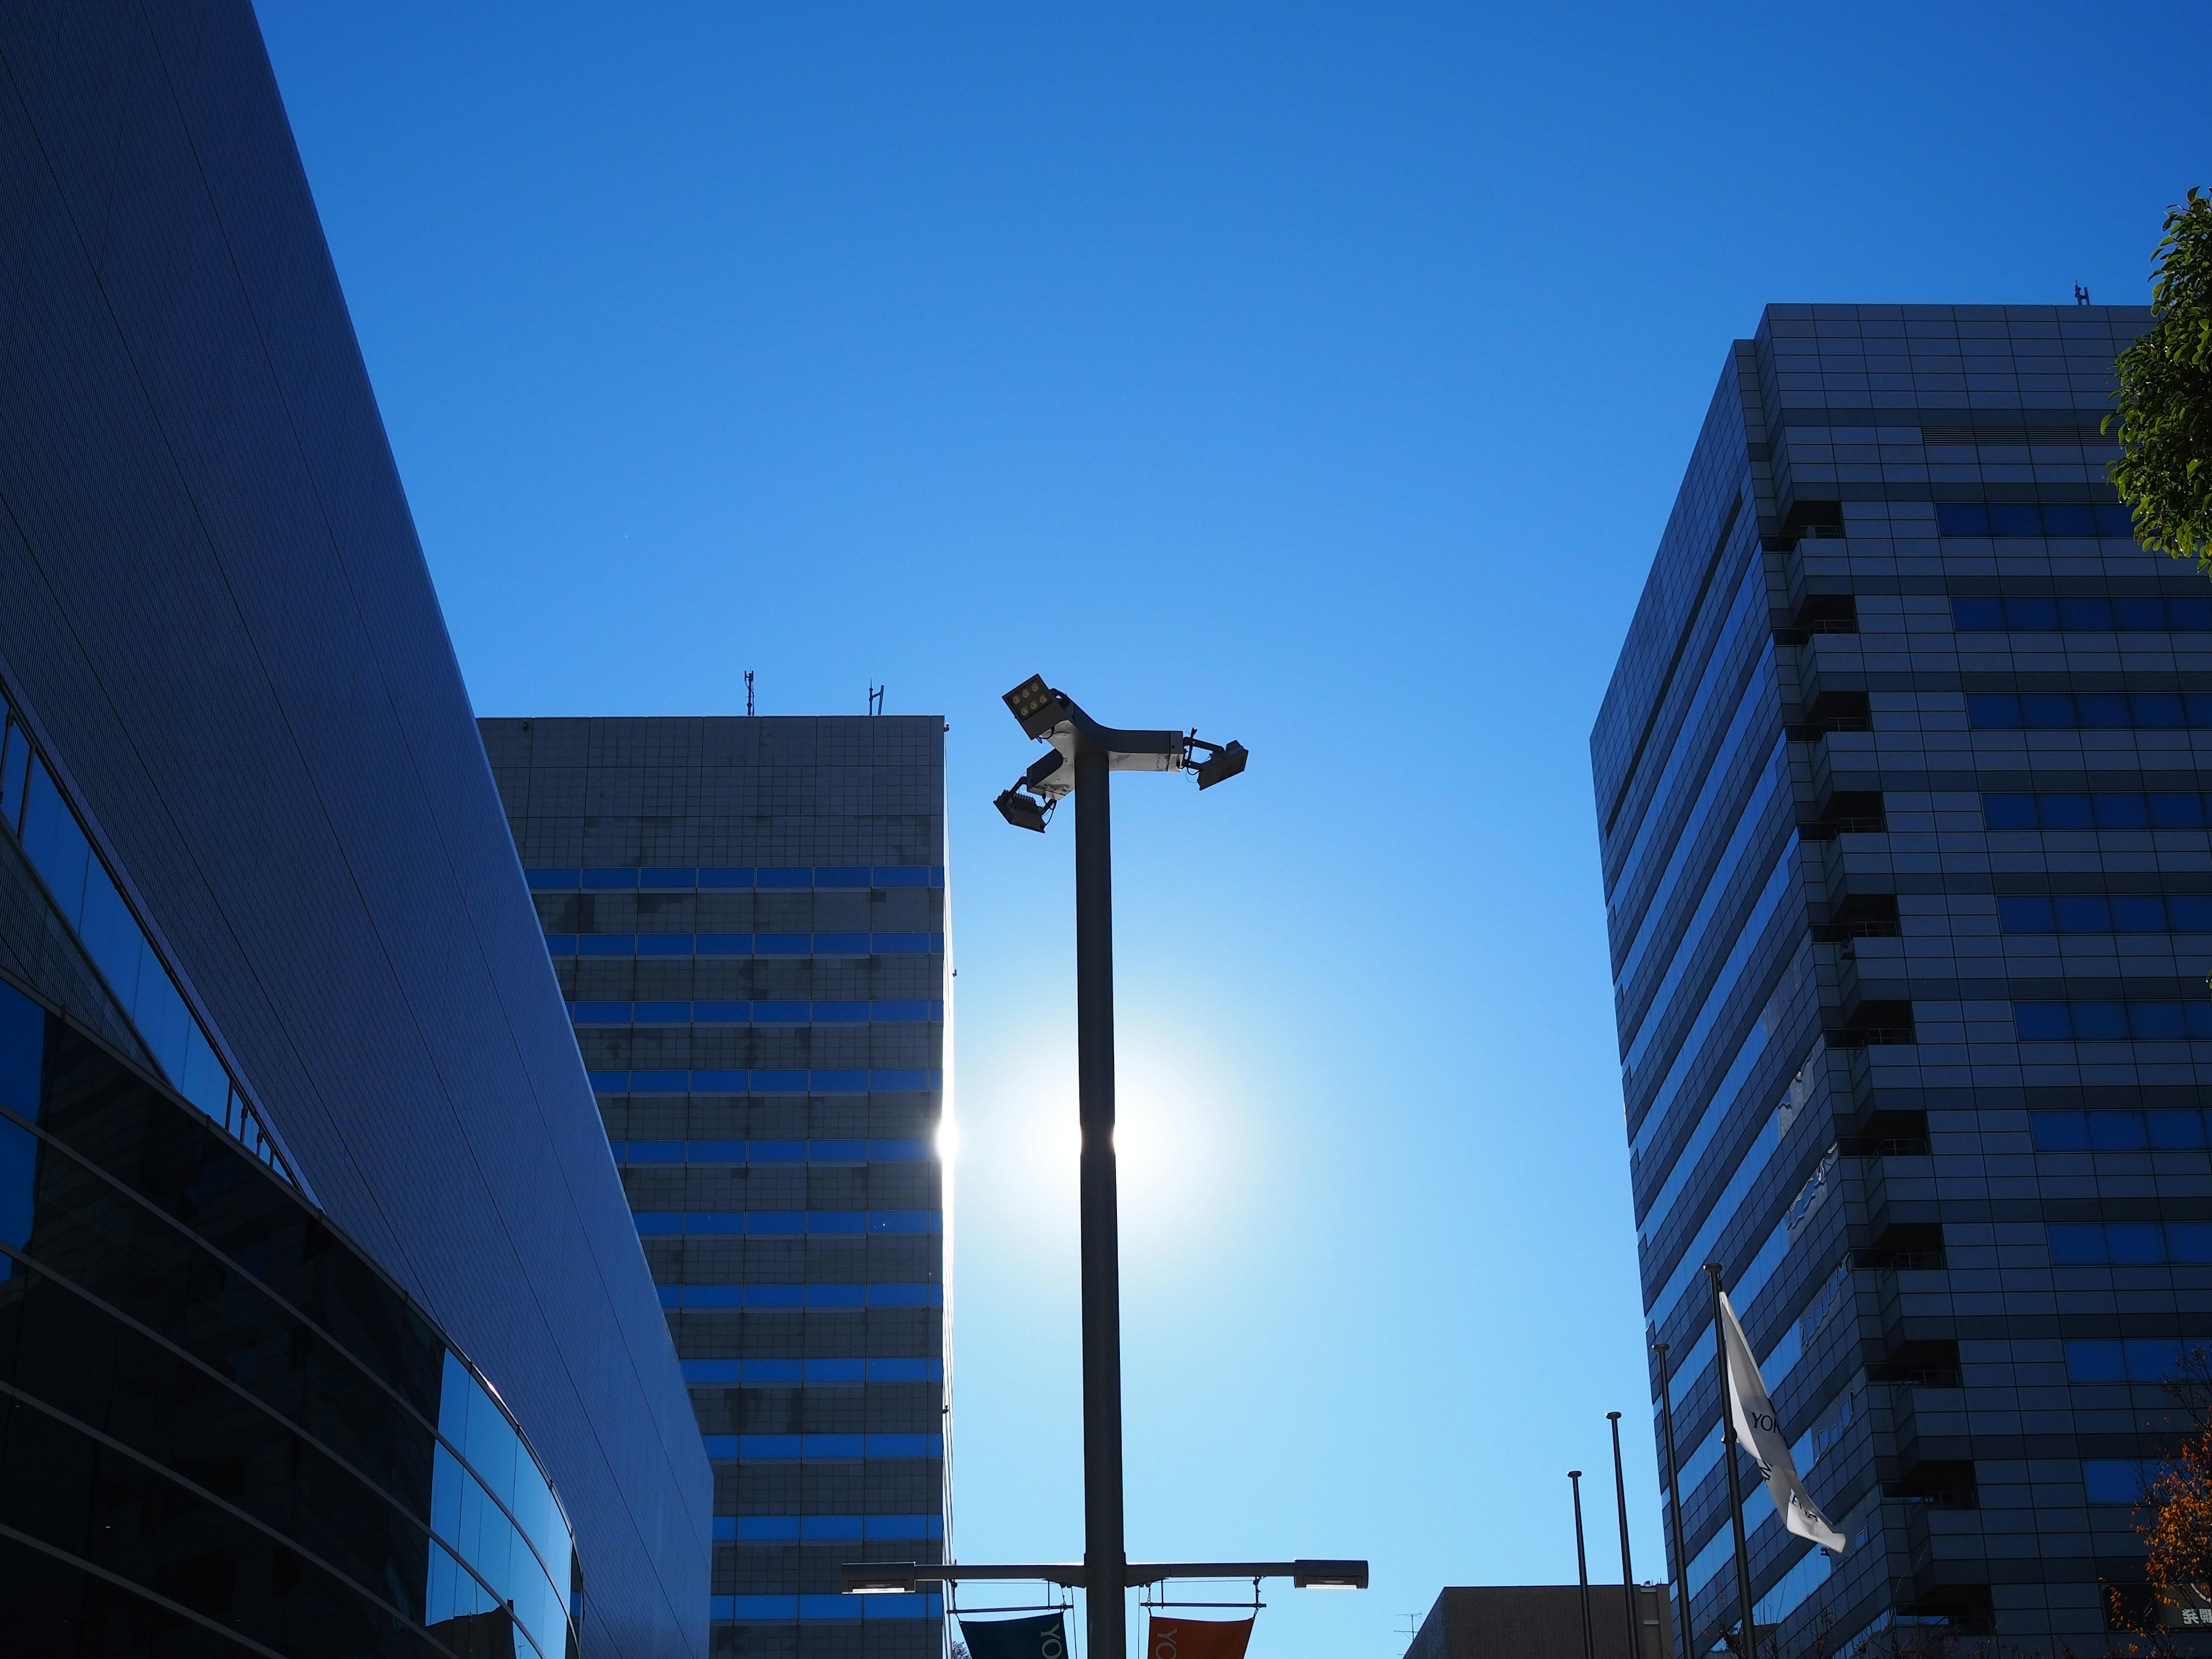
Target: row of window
{"type": "Point", "coordinates": [53, 840]}
{"type": "Point", "coordinates": [2112, 1022]}
{"type": "Point", "coordinates": [2178, 1130]}
{"type": "Point", "coordinates": [2033, 518]}
{"type": "Point", "coordinates": [2118, 1479]}
{"type": "Point", "coordinates": [852, 1081]}
{"type": "Point", "coordinates": [2104, 810]}
{"type": "Point", "coordinates": [2082, 616]}
{"type": "Point", "coordinates": [2132, 1359]}
{"type": "Point", "coordinates": [786, 1223]}
{"type": "Point", "coordinates": [772, 1151]}
{"type": "Point", "coordinates": [2095, 913]}
{"type": "Point", "coordinates": [824, 1528]}
{"type": "Point", "coordinates": [2128, 1243]}
{"type": "Point", "coordinates": [821, 1448]}
{"type": "Point", "coordinates": [815, 1297]}
{"type": "Point", "coordinates": [822, 1609]}
{"type": "Point", "coordinates": [680, 877]}
{"type": "Point", "coordinates": [745, 944]}
{"type": "Point", "coordinates": [787, 1373]}
{"type": "Point", "coordinates": [2089, 711]}
{"type": "Point", "coordinates": [890, 1012]}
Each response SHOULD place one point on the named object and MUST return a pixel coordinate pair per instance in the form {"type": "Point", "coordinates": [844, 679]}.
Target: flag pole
{"type": "Point", "coordinates": [1627, 1572]}
{"type": "Point", "coordinates": [1750, 1650]}
{"type": "Point", "coordinates": [1582, 1563]}
{"type": "Point", "coordinates": [1681, 1576]}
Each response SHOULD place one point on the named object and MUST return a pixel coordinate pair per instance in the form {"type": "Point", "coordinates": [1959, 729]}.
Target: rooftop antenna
{"type": "Point", "coordinates": [2080, 294]}
{"type": "Point", "coordinates": [749, 692]}
{"type": "Point", "coordinates": [876, 698]}
{"type": "Point", "coordinates": [1412, 1630]}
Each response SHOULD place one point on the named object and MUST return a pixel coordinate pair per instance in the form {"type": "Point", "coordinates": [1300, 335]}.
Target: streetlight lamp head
{"type": "Point", "coordinates": [1329, 1575]}
{"type": "Point", "coordinates": [879, 1578]}
{"type": "Point", "coordinates": [1035, 705]}
{"type": "Point", "coordinates": [1022, 811]}
{"type": "Point", "coordinates": [1224, 761]}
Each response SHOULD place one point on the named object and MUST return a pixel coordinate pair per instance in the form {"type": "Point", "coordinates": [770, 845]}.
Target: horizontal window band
{"type": "Point", "coordinates": [645, 1153]}
{"type": "Point", "coordinates": [852, 1082]}
{"type": "Point", "coordinates": [2113, 1022]}
{"type": "Point", "coordinates": [784, 1224]}
{"type": "Point", "coordinates": [822, 1609]}
{"type": "Point", "coordinates": [723, 879]}
{"type": "Point", "coordinates": [744, 945]}
{"type": "Point", "coordinates": [824, 1528]}
{"type": "Point", "coordinates": [910, 1011]}
{"type": "Point", "coordinates": [795, 1373]}
{"type": "Point", "coordinates": [820, 1448]}
{"type": "Point", "coordinates": [812, 1297]}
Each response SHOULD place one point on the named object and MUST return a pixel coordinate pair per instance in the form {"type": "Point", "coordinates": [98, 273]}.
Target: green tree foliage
{"type": "Point", "coordinates": [2163, 422]}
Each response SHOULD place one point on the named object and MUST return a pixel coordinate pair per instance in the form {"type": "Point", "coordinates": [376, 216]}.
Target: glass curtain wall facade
{"type": "Point", "coordinates": [1900, 782]}
{"type": "Point", "coordinates": [748, 919]}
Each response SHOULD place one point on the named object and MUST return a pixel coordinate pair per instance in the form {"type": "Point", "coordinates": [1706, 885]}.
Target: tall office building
{"type": "Point", "coordinates": [324, 1330]}
{"type": "Point", "coordinates": [1902, 785]}
{"type": "Point", "coordinates": [748, 920]}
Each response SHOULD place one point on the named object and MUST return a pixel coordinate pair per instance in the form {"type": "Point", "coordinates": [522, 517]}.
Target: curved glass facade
{"type": "Point", "coordinates": [222, 1429]}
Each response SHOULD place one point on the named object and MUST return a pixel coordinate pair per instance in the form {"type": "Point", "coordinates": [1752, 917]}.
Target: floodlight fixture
{"type": "Point", "coordinates": [1021, 812]}
{"type": "Point", "coordinates": [1223, 760]}
{"type": "Point", "coordinates": [1032, 702]}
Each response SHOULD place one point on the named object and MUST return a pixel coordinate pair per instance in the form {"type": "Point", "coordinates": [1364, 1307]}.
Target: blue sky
{"type": "Point", "coordinates": [1316, 375]}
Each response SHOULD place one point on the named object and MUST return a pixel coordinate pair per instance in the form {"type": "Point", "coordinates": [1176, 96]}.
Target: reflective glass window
{"type": "Point", "coordinates": [2049, 711]}
{"type": "Point", "coordinates": [906, 1371]}
{"type": "Point", "coordinates": [906, 1295]}
{"type": "Point", "coordinates": [2140, 616]}
{"type": "Point", "coordinates": [2069, 518]}
{"type": "Point", "coordinates": [2175, 1131]}
{"type": "Point", "coordinates": [654, 1151]}
{"type": "Point", "coordinates": [2014, 519]}
{"type": "Point", "coordinates": [2188, 616]}
{"type": "Point", "coordinates": [2117, 1132]}
{"type": "Point", "coordinates": [2189, 1242]}
{"type": "Point", "coordinates": [2149, 1359]}
{"type": "Point", "coordinates": [777, 1224]}
{"type": "Point", "coordinates": [684, 879]}
{"type": "Point", "coordinates": [2085, 616]}
{"type": "Point", "coordinates": [837, 1370]}
{"type": "Point", "coordinates": [830, 1529]}
{"type": "Point", "coordinates": [2060, 1131]}
{"type": "Point", "coordinates": [768, 1529]}
{"type": "Point", "coordinates": [1993, 710]}
{"type": "Point", "coordinates": [774, 1373]}
{"type": "Point", "coordinates": [2121, 811]}
{"type": "Point", "coordinates": [2032, 615]}
{"type": "Point", "coordinates": [783, 878]}
{"type": "Point", "coordinates": [901, 877]}
{"type": "Point", "coordinates": [836, 1221]}
{"type": "Point", "coordinates": [710, 1371]}
{"type": "Point", "coordinates": [2198, 1015]}
{"type": "Point", "coordinates": [1961, 518]}
{"type": "Point", "coordinates": [900, 1151]}
{"type": "Point", "coordinates": [772, 1296]}
{"type": "Point", "coordinates": [552, 881]}
{"type": "Point", "coordinates": [2199, 707]}
{"type": "Point", "coordinates": [605, 945]}
{"type": "Point", "coordinates": [837, 1151]}
{"type": "Point", "coordinates": [2082, 913]}
{"type": "Point", "coordinates": [837, 1296]}
{"type": "Point", "coordinates": [2113, 1481]}
{"type": "Point", "coordinates": [2134, 1243]}
{"type": "Point", "coordinates": [777, 1152]}
{"type": "Point", "coordinates": [899, 945]}
{"type": "Point", "coordinates": [783, 945]}
{"type": "Point", "coordinates": [1978, 615]}
{"type": "Point", "coordinates": [2009, 811]}
{"type": "Point", "coordinates": [2042, 1022]}
{"type": "Point", "coordinates": [906, 1221]}
{"type": "Point", "coordinates": [561, 945]}
{"type": "Point", "coordinates": [2096, 1359]}
{"type": "Point", "coordinates": [841, 877]}
{"type": "Point", "coordinates": [2075, 1243]}
{"type": "Point", "coordinates": [2152, 710]}
{"type": "Point", "coordinates": [610, 878]}
{"type": "Point", "coordinates": [726, 878]}
{"type": "Point", "coordinates": [717, 1151]}
{"type": "Point", "coordinates": [841, 1013]}
{"type": "Point", "coordinates": [2138, 913]}
{"type": "Point", "coordinates": [781, 1013]}
{"type": "Point", "coordinates": [720, 1013]}
{"type": "Point", "coordinates": [725, 945]}
{"type": "Point", "coordinates": [603, 1013]}
{"type": "Point", "coordinates": [840, 945]}
{"type": "Point", "coordinates": [2190, 913]}
{"type": "Point", "coordinates": [663, 1013]}
{"type": "Point", "coordinates": [15, 770]}
{"type": "Point", "coordinates": [664, 944]}
{"type": "Point", "coordinates": [2177, 811]}
{"type": "Point", "coordinates": [2026, 914]}
{"type": "Point", "coordinates": [2100, 1022]}
{"type": "Point", "coordinates": [2097, 711]}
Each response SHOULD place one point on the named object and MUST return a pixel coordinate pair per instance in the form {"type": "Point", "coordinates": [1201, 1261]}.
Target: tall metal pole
{"type": "Point", "coordinates": [1582, 1564]}
{"type": "Point", "coordinates": [1750, 1649]}
{"type": "Point", "coordinates": [1627, 1572]}
{"type": "Point", "coordinates": [1681, 1575]}
{"type": "Point", "coordinates": [1105, 1556]}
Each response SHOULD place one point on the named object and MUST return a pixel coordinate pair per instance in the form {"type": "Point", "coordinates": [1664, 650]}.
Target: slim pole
{"type": "Point", "coordinates": [1681, 1575]}
{"type": "Point", "coordinates": [1735, 1475]}
{"type": "Point", "coordinates": [1105, 1556]}
{"type": "Point", "coordinates": [1627, 1572]}
{"type": "Point", "coordinates": [1582, 1563]}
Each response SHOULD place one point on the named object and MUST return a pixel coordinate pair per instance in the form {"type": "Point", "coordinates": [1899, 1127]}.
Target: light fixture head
{"type": "Point", "coordinates": [1035, 705]}
{"type": "Point", "coordinates": [1021, 811]}
{"type": "Point", "coordinates": [879, 1577]}
{"type": "Point", "coordinates": [1329, 1575]}
{"type": "Point", "coordinates": [1225, 763]}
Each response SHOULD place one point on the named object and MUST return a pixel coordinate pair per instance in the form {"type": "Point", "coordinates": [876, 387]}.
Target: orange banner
{"type": "Point", "coordinates": [1198, 1638]}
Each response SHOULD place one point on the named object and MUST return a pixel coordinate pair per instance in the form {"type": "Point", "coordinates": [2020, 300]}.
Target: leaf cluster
{"type": "Point", "coordinates": [2164, 418]}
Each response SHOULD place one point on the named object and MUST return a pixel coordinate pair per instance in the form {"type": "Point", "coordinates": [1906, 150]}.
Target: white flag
{"type": "Point", "coordinates": [1757, 1433]}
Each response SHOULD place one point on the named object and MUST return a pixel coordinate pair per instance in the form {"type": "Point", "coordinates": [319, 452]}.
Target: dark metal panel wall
{"type": "Point", "coordinates": [212, 599]}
